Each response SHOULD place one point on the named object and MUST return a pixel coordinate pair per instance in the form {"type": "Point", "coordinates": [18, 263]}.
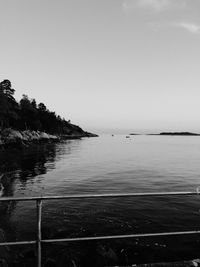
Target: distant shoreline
{"type": "Point", "coordinates": [168, 133]}
{"type": "Point", "coordinates": [177, 134]}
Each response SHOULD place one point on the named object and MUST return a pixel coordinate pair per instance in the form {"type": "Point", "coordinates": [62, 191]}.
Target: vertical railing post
{"type": "Point", "coordinates": [39, 233]}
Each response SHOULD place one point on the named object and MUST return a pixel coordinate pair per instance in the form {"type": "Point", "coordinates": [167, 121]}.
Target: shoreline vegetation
{"type": "Point", "coordinates": [26, 122]}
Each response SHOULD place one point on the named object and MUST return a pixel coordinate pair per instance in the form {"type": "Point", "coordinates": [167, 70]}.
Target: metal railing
{"type": "Point", "coordinates": [39, 201]}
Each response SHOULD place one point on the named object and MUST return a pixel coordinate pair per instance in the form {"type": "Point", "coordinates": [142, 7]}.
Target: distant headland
{"type": "Point", "coordinates": [24, 122]}
{"type": "Point", "coordinates": [177, 133]}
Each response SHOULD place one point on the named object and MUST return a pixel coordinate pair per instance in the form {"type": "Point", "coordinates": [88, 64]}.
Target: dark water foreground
{"type": "Point", "coordinates": [56, 169]}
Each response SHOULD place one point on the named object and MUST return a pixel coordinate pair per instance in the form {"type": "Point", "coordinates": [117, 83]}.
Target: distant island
{"type": "Point", "coordinates": [27, 121]}
{"type": "Point", "coordinates": [178, 133]}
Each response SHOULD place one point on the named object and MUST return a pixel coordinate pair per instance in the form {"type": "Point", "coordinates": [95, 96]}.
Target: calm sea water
{"type": "Point", "coordinates": [103, 165]}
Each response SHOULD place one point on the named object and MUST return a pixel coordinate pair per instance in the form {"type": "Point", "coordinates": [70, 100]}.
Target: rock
{"type": "Point", "coordinates": [90, 135]}
{"type": "Point", "coordinates": [18, 139]}
{"type": "Point", "coordinates": [14, 138]}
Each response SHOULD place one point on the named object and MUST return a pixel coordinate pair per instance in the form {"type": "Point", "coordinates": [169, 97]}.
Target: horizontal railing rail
{"type": "Point", "coordinates": [190, 193]}
{"type": "Point", "coordinates": [40, 199]}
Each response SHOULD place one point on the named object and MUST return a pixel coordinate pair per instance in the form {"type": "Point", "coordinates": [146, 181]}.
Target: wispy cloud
{"type": "Point", "coordinates": [191, 27]}
{"type": "Point", "coordinates": [156, 5]}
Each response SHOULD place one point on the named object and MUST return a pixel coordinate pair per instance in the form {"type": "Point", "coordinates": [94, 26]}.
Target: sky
{"type": "Point", "coordinates": [107, 65]}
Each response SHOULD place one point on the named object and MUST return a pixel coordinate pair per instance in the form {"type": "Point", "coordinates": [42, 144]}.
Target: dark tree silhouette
{"type": "Point", "coordinates": [27, 115]}
{"type": "Point", "coordinates": [8, 105]}
{"type": "Point", "coordinates": [6, 87]}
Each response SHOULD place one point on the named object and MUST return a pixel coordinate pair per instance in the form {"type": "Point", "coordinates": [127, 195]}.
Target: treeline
{"type": "Point", "coordinates": [28, 115]}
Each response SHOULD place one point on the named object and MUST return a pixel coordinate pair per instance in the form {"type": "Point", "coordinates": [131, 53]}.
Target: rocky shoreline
{"type": "Point", "coordinates": [17, 139]}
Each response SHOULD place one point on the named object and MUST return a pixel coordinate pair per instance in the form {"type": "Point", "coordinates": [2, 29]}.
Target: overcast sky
{"type": "Point", "coordinates": [106, 64]}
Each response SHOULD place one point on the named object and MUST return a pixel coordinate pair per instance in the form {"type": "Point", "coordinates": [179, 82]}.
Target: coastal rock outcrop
{"type": "Point", "coordinates": [10, 137]}
{"type": "Point", "coordinates": [15, 138]}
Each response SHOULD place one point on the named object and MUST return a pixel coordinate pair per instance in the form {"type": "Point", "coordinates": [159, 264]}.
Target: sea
{"type": "Point", "coordinates": [107, 164]}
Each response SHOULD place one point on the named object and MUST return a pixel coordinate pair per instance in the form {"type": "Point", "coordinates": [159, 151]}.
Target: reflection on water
{"type": "Point", "coordinates": [20, 167]}
{"type": "Point", "coordinates": [25, 164]}
{"type": "Point", "coordinates": [102, 165]}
